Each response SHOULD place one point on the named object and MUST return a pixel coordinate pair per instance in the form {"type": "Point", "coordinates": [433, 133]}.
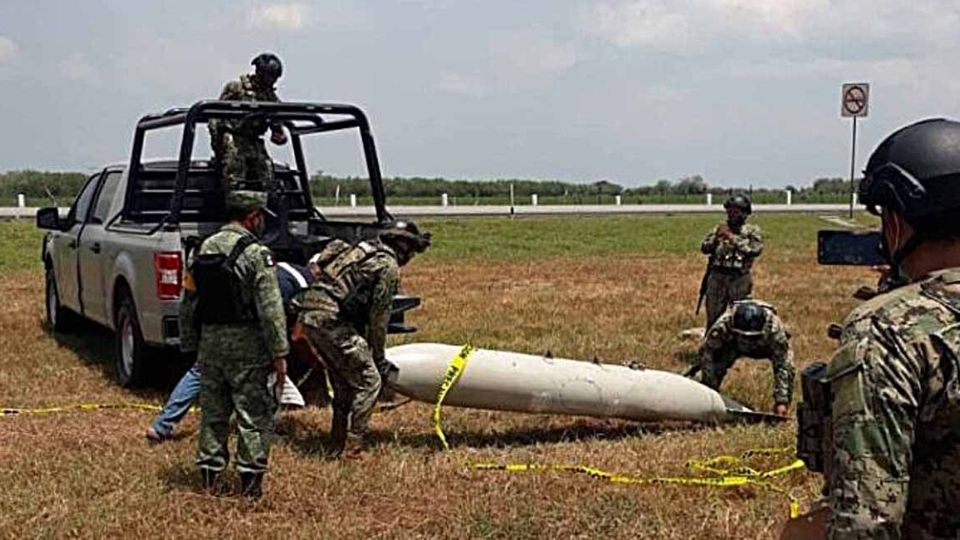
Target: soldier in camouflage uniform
{"type": "Point", "coordinates": [238, 147]}
{"type": "Point", "coordinates": [892, 444]}
{"type": "Point", "coordinates": [732, 247]}
{"type": "Point", "coordinates": [233, 316]}
{"type": "Point", "coordinates": [748, 328]}
{"type": "Point", "coordinates": [345, 314]}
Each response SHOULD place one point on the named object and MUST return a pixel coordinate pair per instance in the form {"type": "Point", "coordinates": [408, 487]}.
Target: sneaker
{"type": "Point", "coordinates": [155, 436]}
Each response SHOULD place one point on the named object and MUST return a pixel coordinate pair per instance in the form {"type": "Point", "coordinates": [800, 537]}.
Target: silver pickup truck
{"type": "Point", "coordinates": [117, 257]}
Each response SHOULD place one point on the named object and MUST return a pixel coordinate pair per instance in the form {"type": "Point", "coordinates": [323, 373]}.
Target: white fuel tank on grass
{"type": "Point", "coordinates": [509, 381]}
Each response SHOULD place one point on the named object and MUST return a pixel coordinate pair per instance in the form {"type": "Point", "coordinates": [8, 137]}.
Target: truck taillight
{"type": "Point", "coordinates": [168, 271]}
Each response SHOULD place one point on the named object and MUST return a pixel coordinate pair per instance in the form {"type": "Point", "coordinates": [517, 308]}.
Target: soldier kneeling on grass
{"type": "Point", "coordinates": [344, 315]}
{"type": "Point", "coordinates": [748, 328]}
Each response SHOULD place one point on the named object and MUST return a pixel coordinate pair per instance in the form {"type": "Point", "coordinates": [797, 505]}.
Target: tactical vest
{"type": "Point", "coordinates": [341, 279]}
{"type": "Point", "coordinates": [728, 259]}
{"type": "Point", "coordinates": [219, 290]}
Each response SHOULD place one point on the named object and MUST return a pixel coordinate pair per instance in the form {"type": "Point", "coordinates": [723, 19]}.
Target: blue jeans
{"type": "Point", "coordinates": [179, 402]}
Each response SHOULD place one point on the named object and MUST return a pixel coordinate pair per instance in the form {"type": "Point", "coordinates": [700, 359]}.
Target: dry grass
{"type": "Point", "coordinates": [92, 475]}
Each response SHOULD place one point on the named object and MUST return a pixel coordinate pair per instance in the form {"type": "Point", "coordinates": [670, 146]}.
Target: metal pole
{"type": "Point", "coordinates": [853, 160]}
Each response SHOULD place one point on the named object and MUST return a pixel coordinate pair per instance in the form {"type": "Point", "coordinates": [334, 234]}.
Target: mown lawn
{"type": "Point", "coordinates": [617, 288]}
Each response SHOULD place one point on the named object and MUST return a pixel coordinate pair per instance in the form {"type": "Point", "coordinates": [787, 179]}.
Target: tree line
{"type": "Point", "coordinates": [63, 187]}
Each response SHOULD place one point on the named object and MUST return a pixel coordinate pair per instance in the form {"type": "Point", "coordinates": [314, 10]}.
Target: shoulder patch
{"type": "Point", "coordinates": [268, 260]}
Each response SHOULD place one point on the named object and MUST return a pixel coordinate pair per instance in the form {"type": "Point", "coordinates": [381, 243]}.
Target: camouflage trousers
{"type": "Point", "coordinates": [234, 380]}
{"type": "Point", "coordinates": [245, 163]}
{"type": "Point", "coordinates": [353, 373]}
{"type": "Point", "coordinates": [713, 372]}
{"type": "Point", "coordinates": [724, 288]}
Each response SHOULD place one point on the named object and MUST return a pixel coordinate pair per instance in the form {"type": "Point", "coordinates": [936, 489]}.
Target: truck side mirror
{"type": "Point", "coordinates": [48, 218]}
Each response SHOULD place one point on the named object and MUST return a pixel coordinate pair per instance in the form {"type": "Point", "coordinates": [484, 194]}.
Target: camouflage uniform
{"type": "Point", "coordinates": [238, 144]}
{"type": "Point", "coordinates": [237, 357]}
{"type": "Point", "coordinates": [345, 314]}
{"type": "Point", "coordinates": [722, 346]}
{"type": "Point", "coordinates": [730, 265]}
{"type": "Point", "coordinates": [893, 456]}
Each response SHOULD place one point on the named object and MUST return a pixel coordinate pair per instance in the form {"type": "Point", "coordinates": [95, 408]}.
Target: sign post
{"type": "Point", "coordinates": [854, 103]}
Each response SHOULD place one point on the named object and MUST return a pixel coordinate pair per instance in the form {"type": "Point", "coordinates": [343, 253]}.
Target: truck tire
{"type": "Point", "coordinates": [132, 353]}
{"type": "Point", "coordinates": [58, 319]}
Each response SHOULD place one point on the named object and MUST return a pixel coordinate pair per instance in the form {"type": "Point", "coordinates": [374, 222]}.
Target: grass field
{"type": "Point", "coordinates": [618, 289]}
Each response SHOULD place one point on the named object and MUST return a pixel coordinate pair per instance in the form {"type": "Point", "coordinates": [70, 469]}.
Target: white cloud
{"type": "Point", "coordinates": [514, 62]}
{"type": "Point", "coordinates": [76, 67]}
{"type": "Point", "coordinates": [822, 27]}
{"type": "Point", "coordinates": [457, 83]}
{"type": "Point", "coordinates": [279, 17]}
{"type": "Point", "coordinates": [8, 50]}
{"type": "Point", "coordinates": [650, 24]}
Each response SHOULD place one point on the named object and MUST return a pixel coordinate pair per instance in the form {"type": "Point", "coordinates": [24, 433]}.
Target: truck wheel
{"type": "Point", "coordinates": [132, 352]}
{"type": "Point", "coordinates": [58, 318]}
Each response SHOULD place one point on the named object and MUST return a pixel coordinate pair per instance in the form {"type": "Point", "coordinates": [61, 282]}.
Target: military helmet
{"type": "Point", "coordinates": [916, 172]}
{"type": "Point", "coordinates": [749, 318]}
{"type": "Point", "coordinates": [268, 65]}
{"type": "Point", "coordinates": [245, 201]}
{"type": "Point", "coordinates": [740, 201]}
{"type": "Point", "coordinates": [407, 230]}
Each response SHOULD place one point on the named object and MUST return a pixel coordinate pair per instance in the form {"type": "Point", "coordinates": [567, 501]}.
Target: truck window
{"type": "Point", "coordinates": [82, 205]}
{"type": "Point", "coordinates": [105, 198]}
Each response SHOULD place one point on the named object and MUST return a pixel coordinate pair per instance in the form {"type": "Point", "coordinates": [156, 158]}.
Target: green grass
{"type": "Point", "coordinates": [613, 288]}
{"type": "Point", "coordinates": [588, 237]}
{"type": "Point", "coordinates": [19, 246]}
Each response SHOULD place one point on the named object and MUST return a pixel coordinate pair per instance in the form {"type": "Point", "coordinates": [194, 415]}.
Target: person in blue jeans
{"type": "Point", "coordinates": [293, 279]}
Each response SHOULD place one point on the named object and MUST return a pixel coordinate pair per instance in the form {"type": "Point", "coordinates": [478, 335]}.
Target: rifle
{"type": "Point", "coordinates": [703, 285]}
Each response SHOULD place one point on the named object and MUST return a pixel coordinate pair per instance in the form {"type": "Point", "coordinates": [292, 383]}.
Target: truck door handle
{"type": "Point", "coordinates": [95, 247]}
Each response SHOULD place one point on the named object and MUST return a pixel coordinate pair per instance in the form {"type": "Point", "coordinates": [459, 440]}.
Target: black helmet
{"type": "Point", "coordinates": [407, 230]}
{"type": "Point", "coordinates": [268, 65]}
{"type": "Point", "coordinates": [739, 201]}
{"type": "Point", "coordinates": [749, 318]}
{"type": "Point", "coordinates": [916, 172]}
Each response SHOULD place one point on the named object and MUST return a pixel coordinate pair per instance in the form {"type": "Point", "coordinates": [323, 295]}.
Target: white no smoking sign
{"type": "Point", "coordinates": [855, 100]}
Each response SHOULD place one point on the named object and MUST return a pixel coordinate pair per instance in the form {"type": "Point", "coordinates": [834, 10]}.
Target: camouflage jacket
{"type": "Point", "coordinates": [242, 89]}
{"type": "Point", "coordinates": [773, 344]}
{"type": "Point", "coordinates": [356, 286]}
{"type": "Point", "coordinates": [255, 268]}
{"type": "Point", "coordinates": [893, 454]}
{"type": "Point", "coordinates": [735, 254]}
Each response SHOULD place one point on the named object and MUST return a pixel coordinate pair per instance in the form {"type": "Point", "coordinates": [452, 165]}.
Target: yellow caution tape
{"type": "Point", "coordinates": [450, 378]}
{"type": "Point", "coordinates": [79, 407]}
{"type": "Point", "coordinates": [721, 471]}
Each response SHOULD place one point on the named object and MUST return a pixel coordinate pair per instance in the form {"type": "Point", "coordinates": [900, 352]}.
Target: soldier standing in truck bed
{"type": "Point", "coordinates": [732, 247]}
{"type": "Point", "coordinates": [238, 147]}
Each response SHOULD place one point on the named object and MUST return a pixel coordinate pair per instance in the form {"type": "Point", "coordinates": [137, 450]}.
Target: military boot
{"type": "Point", "coordinates": [208, 479]}
{"type": "Point", "coordinates": [251, 485]}
{"type": "Point", "coordinates": [338, 435]}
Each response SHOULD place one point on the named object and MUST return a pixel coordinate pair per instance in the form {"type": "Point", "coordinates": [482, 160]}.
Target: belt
{"type": "Point", "coordinates": [730, 271]}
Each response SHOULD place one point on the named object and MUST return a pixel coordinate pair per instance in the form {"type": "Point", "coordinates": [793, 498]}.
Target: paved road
{"type": "Point", "coordinates": [363, 212]}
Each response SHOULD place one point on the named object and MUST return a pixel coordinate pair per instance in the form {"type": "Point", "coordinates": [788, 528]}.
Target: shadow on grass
{"type": "Point", "coordinates": [315, 444]}
{"type": "Point", "coordinates": [95, 345]}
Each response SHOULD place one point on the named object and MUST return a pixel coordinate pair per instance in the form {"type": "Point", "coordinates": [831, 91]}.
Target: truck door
{"type": "Point", "coordinates": [96, 259]}
{"type": "Point", "coordinates": [65, 246]}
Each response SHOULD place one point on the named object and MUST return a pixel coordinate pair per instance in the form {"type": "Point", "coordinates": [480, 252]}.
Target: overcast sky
{"type": "Point", "coordinates": [739, 91]}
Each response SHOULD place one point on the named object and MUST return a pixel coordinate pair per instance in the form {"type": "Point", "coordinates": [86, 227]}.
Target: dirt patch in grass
{"type": "Point", "coordinates": [92, 474]}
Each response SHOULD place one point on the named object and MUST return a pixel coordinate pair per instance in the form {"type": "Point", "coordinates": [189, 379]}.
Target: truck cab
{"type": "Point", "coordinates": [117, 256]}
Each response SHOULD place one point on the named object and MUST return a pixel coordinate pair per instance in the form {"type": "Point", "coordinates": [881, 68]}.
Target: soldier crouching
{"type": "Point", "coordinates": [748, 328]}
{"type": "Point", "coordinates": [345, 314]}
